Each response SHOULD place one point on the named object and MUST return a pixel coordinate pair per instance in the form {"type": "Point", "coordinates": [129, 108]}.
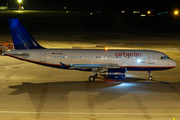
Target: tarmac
{"type": "Point", "coordinates": [33, 92]}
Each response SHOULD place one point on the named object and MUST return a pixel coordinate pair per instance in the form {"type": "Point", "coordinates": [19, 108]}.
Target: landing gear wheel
{"type": "Point", "coordinates": [91, 78]}
{"type": "Point", "coordinates": [150, 78]}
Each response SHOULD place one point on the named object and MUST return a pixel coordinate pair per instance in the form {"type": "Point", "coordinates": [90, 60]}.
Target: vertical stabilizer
{"type": "Point", "coordinates": [21, 37]}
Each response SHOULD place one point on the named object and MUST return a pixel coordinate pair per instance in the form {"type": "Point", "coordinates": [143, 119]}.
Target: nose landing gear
{"type": "Point", "coordinates": [150, 76]}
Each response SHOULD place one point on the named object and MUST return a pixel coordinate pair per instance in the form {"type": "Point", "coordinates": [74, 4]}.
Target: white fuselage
{"type": "Point", "coordinates": [130, 59]}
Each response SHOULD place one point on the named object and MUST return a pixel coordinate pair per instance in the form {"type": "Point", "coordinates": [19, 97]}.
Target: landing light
{"type": "Point", "coordinates": [138, 60]}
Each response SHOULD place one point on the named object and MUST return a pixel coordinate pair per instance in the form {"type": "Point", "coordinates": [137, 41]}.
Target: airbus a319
{"type": "Point", "coordinates": [110, 63]}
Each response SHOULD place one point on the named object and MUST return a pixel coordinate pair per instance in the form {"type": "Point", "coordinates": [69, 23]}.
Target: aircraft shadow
{"type": "Point", "coordinates": [96, 93]}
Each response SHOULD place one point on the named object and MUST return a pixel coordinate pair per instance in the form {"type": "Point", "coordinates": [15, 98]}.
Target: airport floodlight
{"type": "Point", "coordinates": [19, 1]}
{"type": "Point", "coordinates": [176, 12]}
{"type": "Point", "coordinates": [148, 12]}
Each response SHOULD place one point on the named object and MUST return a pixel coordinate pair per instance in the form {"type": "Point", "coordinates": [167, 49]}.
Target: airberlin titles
{"type": "Point", "coordinates": [124, 54]}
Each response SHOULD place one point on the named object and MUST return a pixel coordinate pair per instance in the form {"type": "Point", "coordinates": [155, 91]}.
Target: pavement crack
{"type": "Point", "coordinates": [42, 100]}
{"type": "Point", "coordinates": [173, 88]}
{"type": "Point", "coordinates": [90, 99]}
{"type": "Point", "coordinates": [6, 81]}
{"type": "Point", "coordinates": [141, 106]}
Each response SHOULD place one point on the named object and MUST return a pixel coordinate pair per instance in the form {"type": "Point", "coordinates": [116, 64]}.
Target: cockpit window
{"type": "Point", "coordinates": [165, 57]}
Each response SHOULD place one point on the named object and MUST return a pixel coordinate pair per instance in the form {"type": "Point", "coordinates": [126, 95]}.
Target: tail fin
{"type": "Point", "coordinates": [21, 37]}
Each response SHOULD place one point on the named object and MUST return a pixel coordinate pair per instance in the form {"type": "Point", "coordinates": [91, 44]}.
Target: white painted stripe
{"type": "Point", "coordinates": [78, 113]}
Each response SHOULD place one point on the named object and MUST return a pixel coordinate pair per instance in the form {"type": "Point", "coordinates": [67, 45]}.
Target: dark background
{"type": "Point", "coordinates": [106, 16]}
{"type": "Point", "coordinates": [95, 4]}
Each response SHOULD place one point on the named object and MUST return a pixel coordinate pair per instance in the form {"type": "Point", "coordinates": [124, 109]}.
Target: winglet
{"type": "Point", "coordinates": [21, 37]}
{"type": "Point", "coordinates": [62, 65]}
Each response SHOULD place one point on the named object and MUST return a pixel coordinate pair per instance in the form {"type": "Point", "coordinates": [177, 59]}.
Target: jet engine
{"type": "Point", "coordinates": [114, 73]}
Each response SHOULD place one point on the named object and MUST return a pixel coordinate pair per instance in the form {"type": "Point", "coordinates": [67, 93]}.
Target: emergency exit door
{"type": "Point", "coordinates": [42, 56]}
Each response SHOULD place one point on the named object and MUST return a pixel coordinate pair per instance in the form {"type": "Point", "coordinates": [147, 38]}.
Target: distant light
{"type": "Point", "coordinates": [122, 11]}
{"type": "Point", "coordinates": [64, 7]}
{"type": "Point", "coordinates": [130, 26]}
{"type": "Point", "coordinates": [148, 12]}
{"type": "Point", "coordinates": [91, 13]}
{"type": "Point", "coordinates": [176, 12]}
{"type": "Point", "coordinates": [19, 1]}
{"type": "Point", "coordinates": [67, 11]}
{"type": "Point", "coordinates": [106, 49]}
{"type": "Point", "coordinates": [142, 15]}
{"type": "Point", "coordinates": [138, 60]}
{"type": "Point", "coordinates": [163, 13]}
{"type": "Point", "coordinates": [136, 11]}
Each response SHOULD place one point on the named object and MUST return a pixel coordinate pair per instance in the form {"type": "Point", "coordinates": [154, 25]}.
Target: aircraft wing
{"type": "Point", "coordinates": [89, 66]}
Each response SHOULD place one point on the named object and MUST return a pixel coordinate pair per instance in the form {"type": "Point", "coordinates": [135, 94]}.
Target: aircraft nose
{"type": "Point", "coordinates": [173, 63]}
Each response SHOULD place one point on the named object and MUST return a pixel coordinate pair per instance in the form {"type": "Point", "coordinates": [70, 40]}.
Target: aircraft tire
{"type": "Point", "coordinates": [150, 78]}
{"type": "Point", "coordinates": [91, 78]}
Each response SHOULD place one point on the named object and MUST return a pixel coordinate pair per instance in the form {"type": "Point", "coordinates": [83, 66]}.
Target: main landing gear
{"type": "Point", "coordinates": [150, 76]}
{"type": "Point", "coordinates": [93, 76]}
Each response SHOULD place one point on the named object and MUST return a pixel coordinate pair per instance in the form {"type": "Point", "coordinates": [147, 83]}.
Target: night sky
{"type": "Point", "coordinates": [98, 4]}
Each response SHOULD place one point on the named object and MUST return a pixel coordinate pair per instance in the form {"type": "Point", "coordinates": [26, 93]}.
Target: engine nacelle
{"type": "Point", "coordinates": [115, 73]}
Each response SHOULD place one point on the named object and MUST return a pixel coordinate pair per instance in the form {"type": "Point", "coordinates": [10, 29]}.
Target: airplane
{"type": "Point", "coordinates": [113, 64]}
